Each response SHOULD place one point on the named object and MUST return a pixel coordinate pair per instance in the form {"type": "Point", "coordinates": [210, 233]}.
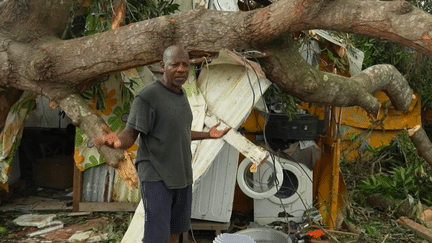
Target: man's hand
{"type": "Point", "coordinates": [110, 138]}
{"type": "Point", "coordinates": [215, 133]}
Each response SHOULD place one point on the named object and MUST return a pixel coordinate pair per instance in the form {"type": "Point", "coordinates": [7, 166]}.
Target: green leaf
{"type": "Point", "coordinates": [93, 160]}
{"type": "Point", "coordinates": [330, 55]}
{"type": "Point", "coordinates": [118, 111]}
{"type": "Point", "coordinates": [78, 137]}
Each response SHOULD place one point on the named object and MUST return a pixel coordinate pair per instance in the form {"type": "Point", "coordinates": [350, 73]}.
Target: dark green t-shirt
{"type": "Point", "coordinates": [164, 120]}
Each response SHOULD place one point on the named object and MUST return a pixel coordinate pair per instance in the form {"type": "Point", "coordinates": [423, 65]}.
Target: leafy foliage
{"type": "Point", "coordinates": [98, 18]}
{"type": "Point", "coordinates": [99, 14]}
{"type": "Point", "coordinates": [287, 103]}
{"type": "Point", "coordinates": [399, 172]}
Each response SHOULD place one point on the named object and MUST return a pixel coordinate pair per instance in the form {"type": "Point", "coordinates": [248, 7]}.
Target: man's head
{"type": "Point", "coordinates": [175, 65]}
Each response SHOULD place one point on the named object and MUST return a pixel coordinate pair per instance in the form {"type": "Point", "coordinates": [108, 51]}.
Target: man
{"type": "Point", "coordinates": [161, 115]}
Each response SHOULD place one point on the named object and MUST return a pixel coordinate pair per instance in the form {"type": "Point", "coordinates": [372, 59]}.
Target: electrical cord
{"type": "Point", "coordinates": [193, 236]}
{"type": "Point", "coordinates": [266, 142]}
{"type": "Point", "coordinates": [287, 156]}
{"type": "Point", "coordinates": [265, 137]}
{"type": "Point", "coordinates": [277, 183]}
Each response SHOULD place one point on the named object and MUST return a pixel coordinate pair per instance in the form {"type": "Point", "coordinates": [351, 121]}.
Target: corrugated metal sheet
{"type": "Point", "coordinates": [102, 184]}
{"type": "Point", "coordinates": [97, 185]}
{"type": "Point", "coordinates": [122, 193]}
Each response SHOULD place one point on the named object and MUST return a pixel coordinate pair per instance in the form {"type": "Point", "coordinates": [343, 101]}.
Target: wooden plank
{"type": "Point", "coordinates": [107, 206]}
{"type": "Point", "coordinates": [52, 206]}
{"type": "Point", "coordinates": [419, 229]}
{"type": "Point", "coordinates": [207, 225]}
{"type": "Point", "coordinates": [77, 189]}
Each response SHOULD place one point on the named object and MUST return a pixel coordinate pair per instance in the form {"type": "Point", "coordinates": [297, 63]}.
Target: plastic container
{"type": "Point", "coordinates": [265, 235]}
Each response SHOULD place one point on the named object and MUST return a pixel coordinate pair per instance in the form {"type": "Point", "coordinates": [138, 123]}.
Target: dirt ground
{"type": "Point", "coordinates": [82, 226]}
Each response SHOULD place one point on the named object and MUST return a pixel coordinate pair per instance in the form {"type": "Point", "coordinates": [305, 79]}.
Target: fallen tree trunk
{"type": "Point", "coordinates": [32, 57]}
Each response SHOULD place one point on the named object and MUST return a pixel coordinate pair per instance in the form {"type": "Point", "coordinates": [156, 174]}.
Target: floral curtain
{"type": "Point", "coordinates": [10, 137]}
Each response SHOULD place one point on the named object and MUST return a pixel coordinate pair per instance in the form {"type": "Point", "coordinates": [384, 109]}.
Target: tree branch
{"type": "Point", "coordinates": [87, 120]}
{"type": "Point", "coordinates": [206, 30]}
{"type": "Point", "coordinates": [295, 76]}
{"type": "Point", "coordinates": [421, 142]}
{"type": "Point", "coordinates": [79, 60]}
{"type": "Point", "coordinates": [397, 21]}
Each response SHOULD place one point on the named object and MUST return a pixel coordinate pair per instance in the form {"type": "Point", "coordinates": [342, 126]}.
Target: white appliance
{"type": "Point", "coordinates": [224, 5]}
{"type": "Point", "coordinates": [212, 197]}
{"type": "Point", "coordinates": [281, 189]}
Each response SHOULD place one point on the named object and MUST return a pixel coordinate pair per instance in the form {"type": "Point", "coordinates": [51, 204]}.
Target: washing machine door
{"type": "Point", "coordinates": [293, 184]}
{"type": "Point", "coordinates": [262, 184]}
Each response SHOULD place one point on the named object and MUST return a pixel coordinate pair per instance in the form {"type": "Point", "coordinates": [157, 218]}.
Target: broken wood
{"type": "Point", "coordinates": [127, 171]}
{"type": "Point", "coordinates": [419, 229]}
{"type": "Point", "coordinates": [426, 217]}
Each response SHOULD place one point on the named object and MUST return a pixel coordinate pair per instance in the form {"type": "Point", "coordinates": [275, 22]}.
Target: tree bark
{"type": "Point", "coordinates": [79, 60]}
{"type": "Point", "coordinates": [32, 57]}
{"type": "Point", "coordinates": [293, 74]}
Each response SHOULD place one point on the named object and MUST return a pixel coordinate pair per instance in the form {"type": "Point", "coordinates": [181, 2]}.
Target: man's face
{"type": "Point", "coordinates": [176, 68]}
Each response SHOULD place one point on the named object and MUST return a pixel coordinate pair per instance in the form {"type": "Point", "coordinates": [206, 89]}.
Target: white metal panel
{"type": "Point", "coordinates": [135, 232]}
{"type": "Point", "coordinates": [230, 90]}
{"type": "Point", "coordinates": [214, 195]}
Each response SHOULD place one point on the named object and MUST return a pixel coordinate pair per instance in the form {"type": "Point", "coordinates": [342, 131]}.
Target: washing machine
{"type": "Point", "coordinates": [281, 189]}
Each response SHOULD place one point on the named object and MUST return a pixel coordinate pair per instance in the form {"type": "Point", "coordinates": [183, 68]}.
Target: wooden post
{"type": "Point", "coordinates": [77, 189]}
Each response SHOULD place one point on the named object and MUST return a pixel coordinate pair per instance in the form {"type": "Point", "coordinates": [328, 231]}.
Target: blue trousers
{"type": "Point", "coordinates": [167, 211]}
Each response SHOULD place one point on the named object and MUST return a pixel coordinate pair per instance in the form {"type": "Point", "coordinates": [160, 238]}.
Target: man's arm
{"type": "Point", "coordinates": [127, 138]}
{"type": "Point", "coordinates": [124, 141]}
{"type": "Point", "coordinates": [214, 133]}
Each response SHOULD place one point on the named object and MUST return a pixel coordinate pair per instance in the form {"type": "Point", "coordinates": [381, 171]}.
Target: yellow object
{"type": "Point", "coordinates": [255, 122]}
{"type": "Point", "coordinates": [359, 132]}
{"type": "Point", "coordinates": [329, 186]}
{"type": "Point", "coordinates": [350, 132]}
